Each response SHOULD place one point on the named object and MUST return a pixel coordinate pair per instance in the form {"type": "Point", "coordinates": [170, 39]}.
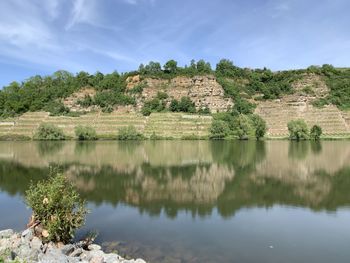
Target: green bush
{"type": "Point", "coordinates": [85, 133]}
{"type": "Point", "coordinates": [315, 132]}
{"type": "Point", "coordinates": [259, 126]}
{"type": "Point", "coordinates": [298, 130]}
{"type": "Point", "coordinates": [245, 129]}
{"type": "Point", "coordinates": [129, 133]}
{"type": "Point", "coordinates": [58, 208]}
{"type": "Point", "coordinates": [49, 132]}
{"type": "Point", "coordinates": [219, 130]}
{"type": "Point", "coordinates": [184, 105]}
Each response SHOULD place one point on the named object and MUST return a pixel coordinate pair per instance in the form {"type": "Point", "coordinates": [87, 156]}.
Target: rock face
{"type": "Point", "coordinates": [27, 248]}
{"type": "Point", "coordinates": [204, 91]}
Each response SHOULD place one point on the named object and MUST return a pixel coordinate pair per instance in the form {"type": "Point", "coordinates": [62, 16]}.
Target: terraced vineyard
{"type": "Point", "coordinates": [174, 125]}
{"type": "Point", "coordinates": [334, 122]}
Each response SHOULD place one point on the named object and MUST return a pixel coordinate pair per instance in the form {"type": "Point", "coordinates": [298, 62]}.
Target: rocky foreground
{"type": "Point", "coordinates": [26, 247]}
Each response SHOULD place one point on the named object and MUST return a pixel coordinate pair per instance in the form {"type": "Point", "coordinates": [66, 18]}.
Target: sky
{"type": "Point", "coordinates": [43, 36]}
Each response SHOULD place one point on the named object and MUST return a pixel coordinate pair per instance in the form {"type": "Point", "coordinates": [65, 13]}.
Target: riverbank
{"type": "Point", "coordinates": [25, 247]}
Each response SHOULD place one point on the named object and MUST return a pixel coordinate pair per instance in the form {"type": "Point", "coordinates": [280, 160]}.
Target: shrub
{"type": "Point", "coordinates": [58, 208]}
{"type": "Point", "coordinates": [85, 133]}
{"type": "Point", "coordinates": [219, 130]}
{"type": "Point", "coordinates": [86, 102]}
{"type": "Point", "coordinates": [49, 132]}
{"type": "Point", "coordinates": [129, 133]}
{"type": "Point", "coordinates": [315, 132]}
{"type": "Point", "coordinates": [184, 105]}
{"type": "Point", "coordinates": [298, 130]}
{"type": "Point", "coordinates": [259, 125]}
{"type": "Point", "coordinates": [245, 127]}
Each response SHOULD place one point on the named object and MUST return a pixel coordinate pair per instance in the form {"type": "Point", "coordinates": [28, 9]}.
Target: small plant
{"type": "Point", "coordinates": [315, 132]}
{"type": "Point", "coordinates": [49, 132]}
{"type": "Point", "coordinates": [57, 208]}
{"type": "Point", "coordinates": [85, 133]}
{"type": "Point", "coordinates": [129, 133]}
{"type": "Point", "coordinates": [298, 130]}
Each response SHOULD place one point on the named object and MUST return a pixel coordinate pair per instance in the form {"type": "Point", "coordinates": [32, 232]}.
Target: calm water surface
{"type": "Point", "coordinates": [197, 201]}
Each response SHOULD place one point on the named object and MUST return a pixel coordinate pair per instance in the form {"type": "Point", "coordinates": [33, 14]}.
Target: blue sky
{"type": "Point", "coordinates": [42, 36]}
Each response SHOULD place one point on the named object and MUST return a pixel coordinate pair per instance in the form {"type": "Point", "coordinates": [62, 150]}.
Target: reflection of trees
{"type": "Point", "coordinates": [241, 174]}
{"type": "Point", "coordinates": [298, 150]}
{"type": "Point", "coordinates": [84, 147]}
{"type": "Point", "coordinates": [49, 147]}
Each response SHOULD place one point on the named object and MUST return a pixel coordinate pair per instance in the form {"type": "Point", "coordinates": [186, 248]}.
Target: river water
{"type": "Point", "coordinates": [197, 201]}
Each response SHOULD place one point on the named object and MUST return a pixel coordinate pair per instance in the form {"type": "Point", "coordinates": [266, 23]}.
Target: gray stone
{"type": "Point", "coordinates": [77, 252]}
{"type": "Point", "coordinates": [6, 233]}
{"type": "Point", "coordinates": [96, 259]}
{"type": "Point", "coordinates": [36, 243]}
{"type": "Point", "coordinates": [27, 236]}
{"type": "Point", "coordinates": [53, 256]}
{"type": "Point", "coordinates": [94, 247]}
{"type": "Point", "coordinates": [68, 249]}
{"type": "Point", "coordinates": [112, 258]}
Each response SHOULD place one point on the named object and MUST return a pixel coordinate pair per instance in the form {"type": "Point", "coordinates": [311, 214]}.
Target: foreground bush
{"type": "Point", "coordinates": [85, 133]}
{"type": "Point", "coordinates": [298, 130]}
{"type": "Point", "coordinates": [49, 132]}
{"type": "Point", "coordinates": [129, 133]}
{"type": "Point", "coordinates": [316, 132]}
{"type": "Point", "coordinates": [57, 207]}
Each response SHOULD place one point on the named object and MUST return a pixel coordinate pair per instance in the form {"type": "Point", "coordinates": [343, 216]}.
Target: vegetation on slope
{"type": "Point", "coordinates": [241, 84]}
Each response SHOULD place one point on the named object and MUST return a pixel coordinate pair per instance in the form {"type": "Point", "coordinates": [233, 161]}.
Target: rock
{"type": "Point", "coordinates": [68, 249]}
{"type": "Point", "coordinates": [77, 252]}
{"type": "Point", "coordinates": [6, 233]}
{"type": "Point", "coordinates": [94, 247]}
{"type": "Point", "coordinates": [96, 259]}
{"type": "Point", "coordinates": [27, 235]}
{"type": "Point", "coordinates": [53, 256]}
{"type": "Point", "coordinates": [36, 243]}
{"type": "Point", "coordinates": [139, 260]}
{"type": "Point", "coordinates": [112, 258]}
{"type": "Point", "coordinates": [26, 253]}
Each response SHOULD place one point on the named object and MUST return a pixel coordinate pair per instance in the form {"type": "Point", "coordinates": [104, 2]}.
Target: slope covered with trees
{"type": "Point", "coordinates": [244, 86]}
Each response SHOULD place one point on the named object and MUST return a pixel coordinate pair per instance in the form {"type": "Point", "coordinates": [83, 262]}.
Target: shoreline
{"type": "Point", "coordinates": [25, 247]}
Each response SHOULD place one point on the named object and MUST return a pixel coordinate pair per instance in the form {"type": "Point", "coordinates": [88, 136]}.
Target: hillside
{"type": "Point", "coordinates": [177, 102]}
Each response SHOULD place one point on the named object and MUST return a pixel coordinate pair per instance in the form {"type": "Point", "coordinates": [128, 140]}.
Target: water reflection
{"type": "Point", "coordinates": [197, 201]}
{"type": "Point", "coordinates": [190, 176]}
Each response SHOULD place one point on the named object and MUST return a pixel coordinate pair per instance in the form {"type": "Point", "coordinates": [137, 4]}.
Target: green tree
{"type": "Point", "coordinates": [219, 130]}
{"type": "Point", "coordinates": [170, 67]}
{"type": "Point", "coordinates": [245, 128]}
{"type": "Point", "coordinates": [315, 132]}
{"type": "Point", "coordinates": [259, 126]}
{"type": "Point", "coordinates": [50, 132]}
{"type": "Point", "coordinates": [85, 133]}
{"type": "Point", "coordinates": [298, 130]}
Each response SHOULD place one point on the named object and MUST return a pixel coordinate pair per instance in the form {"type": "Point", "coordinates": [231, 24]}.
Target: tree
{"type": "Point", "coordinates": [245, 127]}
{"type": "Point", "coordinates": [203, 67]}
{"type": "Point", "coordinates": [170, 67]}
{"type": "Point", "coordinates": [315, 132]}
{"type": "Point", "coordinates": [186, 105]}
{"type": "Point", "coordinates": [259, 125]}
{"type": "Point", "coordinates": [298, 130]}
{"type": "Point", "coordinates": [219, 130]}
{"type": "Point", "coordinates": [85, 133]}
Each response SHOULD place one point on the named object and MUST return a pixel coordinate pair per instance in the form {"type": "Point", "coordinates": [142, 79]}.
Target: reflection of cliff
{"type": "Point", "coordinates": [120, 155]}
{"type": "Point", "coordinates": [193, 176]}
